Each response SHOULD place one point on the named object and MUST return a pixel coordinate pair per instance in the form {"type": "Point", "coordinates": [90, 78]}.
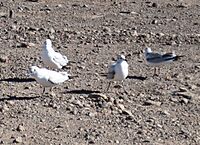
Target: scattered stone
{"type": "Point", "coordinates": [187, 95]}
{"type": "Point", "coordinates": [21, 45]}
{"type": "Point", "coordinates": [155, 22]}
{"type": "Point", "coordinates": [98, 95]}
{"type": "Point", "coordinates": [116, 141]}
{"type": "Point", "coordinates": [77, 102]}
{"type": "Point", "coordinates": [31, 44]}
{"type": "Point", "coordinates": [185, 101]}
{"type": "Point", "coordinates": [182, 89]}
{"type": "Point", "coordinates": [20, 128]}
{"type": "Point", "coordinates": [154, 5]}
{"type": "Point", "coordinates": [11, 14]}
{"type": "Point", "coordinates": [124, 110]}
{"type": "Point", "coordinates": [3, 59]}
{"type": "Point", "coordinates": [4, 108]}
{"type": "Point", "coordinates": [10, 103]}
{"type": "Point", "coordinates": [150, 102]}
{"type": "Point", "coordinates": [18, 140]}
{"type": "Point", "coordinates": [59, 5]}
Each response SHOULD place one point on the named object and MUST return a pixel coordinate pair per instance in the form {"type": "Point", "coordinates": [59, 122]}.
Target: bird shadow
{"type": "Point", "coordinates": [141, 78]}
{"type": "Point", "coordinates": [15, 98]}
{"type": "Point", "coordinates": [82, 91]}
{"type": "Point", "coordinates": [21, 80]}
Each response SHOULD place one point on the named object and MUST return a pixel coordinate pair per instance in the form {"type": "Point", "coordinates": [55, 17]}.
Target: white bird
{"type": "Point", "coordinates": [157, 59]}
{"type": "Point", "coordinates": [48, 78]}
{"type": "Point", "coordinates": [118, 71]}
{"type": "Point", "coordinates": [51, 58]}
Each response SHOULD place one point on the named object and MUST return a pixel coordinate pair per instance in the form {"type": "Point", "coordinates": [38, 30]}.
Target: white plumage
{"type": "Point", "coordinates": [48, 78]}
{"type": "Point", "coordinates": [51, 58]}
{"type": "Point", "coordinates": [118, 71]}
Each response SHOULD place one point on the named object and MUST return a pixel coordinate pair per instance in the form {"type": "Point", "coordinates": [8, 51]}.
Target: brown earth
{"type": "Point", "coordinates": [151, 110]}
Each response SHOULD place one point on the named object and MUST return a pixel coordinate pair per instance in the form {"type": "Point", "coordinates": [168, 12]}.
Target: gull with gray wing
{"type": "Point", "coordinates": [157, 59]}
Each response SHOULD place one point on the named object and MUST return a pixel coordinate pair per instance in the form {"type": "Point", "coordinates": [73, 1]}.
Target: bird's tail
{"type": "Point", "coordinates": [71, 77]}
{"type": "Point", "coordinates": [178, 57]}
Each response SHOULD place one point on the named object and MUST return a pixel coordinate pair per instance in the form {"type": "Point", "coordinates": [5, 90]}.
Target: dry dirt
{"type": "Point", "coordinates": [160, 110]}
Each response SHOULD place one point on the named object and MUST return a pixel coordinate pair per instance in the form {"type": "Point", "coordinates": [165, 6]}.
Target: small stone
{"type": "Point", "coordinates": [187, 95]}
{"type": "Point", "coordinates": [91, 114]}
{"type": "Point", "coordinates": [18, 139]}
{"type": "Point", "coordinates": [20, 128]}
{"type": "Point", "coordinates": [154, 5]}
{"type": "Point", "coordinates": [10, 103]}
{"type": "Point", "coordinates": [3, 59]}
{"type": "Point", "coordinates": [52, 30]}
{"type": "Point", "coordinates": [107, 29]}
{"type": "Point", "coordinates": [31, 44]}
{"type": "Point", "coordinates": [184, 100]}
{"type": "Point", "coordinates": [182, 89]}
{"type": "Point", "coordinates": [77, 102]}
{"type": "Point", "coordinates": [121, 106]}
{"type": "Point", "coordinates": [150, 102]}
{"type": "Point", "coordinates": [5, 108]}
{"type": "Point", "coordinates": [59, 5]}
{"type": "Point", "coordinates": [116, 141]}
{"type": "Point", "coordinates": [98, 95]}
{"type": "Point", "coordinates": [155, 22]}
{"type": "Point", "coordinates": [161, 34]}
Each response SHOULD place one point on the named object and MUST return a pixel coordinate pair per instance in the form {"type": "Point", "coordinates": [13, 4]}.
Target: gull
{"type": "Point", "coordinates": [157, 59]}
{"type": "Point", "coordinates": [51, 58]}
{"type": "Point", "coordinates": [118, 71]}
{"type": "Point", "coordinates": [48, 78]}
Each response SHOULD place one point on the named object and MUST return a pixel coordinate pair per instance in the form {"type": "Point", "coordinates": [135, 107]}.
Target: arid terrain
{"type": "Point", "coordinates": [144, 110]}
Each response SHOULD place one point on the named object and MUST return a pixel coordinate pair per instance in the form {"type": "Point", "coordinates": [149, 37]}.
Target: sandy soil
{"type": "Point", "coordinates": [151, 110]}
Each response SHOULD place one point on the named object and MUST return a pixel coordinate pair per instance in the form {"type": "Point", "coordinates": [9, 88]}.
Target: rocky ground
{"type": "Point", "coordinates": [151, 110]}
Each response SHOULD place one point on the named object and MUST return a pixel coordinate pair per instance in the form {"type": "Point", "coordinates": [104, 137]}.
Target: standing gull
{"type": "Point", "coordinates": [118, 71]}
{"type": "Point", "coordinates": [157, 59]}
{"type": "Point", "coordinates": [51, 58]}
{"type": "Point", "coordinates": [48, 78]}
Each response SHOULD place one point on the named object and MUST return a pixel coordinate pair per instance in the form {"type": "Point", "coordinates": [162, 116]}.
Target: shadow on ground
{"type": "Point", "coordinates": [19, 80]}
{"type": "Point", "coordinates": [15, 98]}
{"type": "Point", "coordinates": [141, 78]}
{"type": "Point", "coordinates": [82, 91]}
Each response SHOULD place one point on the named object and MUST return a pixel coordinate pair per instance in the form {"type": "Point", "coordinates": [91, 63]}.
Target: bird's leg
{"type": "Point", "coordinates": [159, 70]}
{"type": "Point", "coordinates": [43, 91]}
{"type": "Point", "coordinates": [108, 86]}
{"type": "Point", "coordinates": [52, 93]}
{"type": "Point", "coordinates": [155, 72]}
{"type": "Point", "coordinates": [124, 87]}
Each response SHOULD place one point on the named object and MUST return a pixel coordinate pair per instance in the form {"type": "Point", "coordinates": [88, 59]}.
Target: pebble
{"type": "Point", "coordinates": [116, 141]}
{"type": "Point", "coordinates": [187, 95]}
{"type": "Point", "coordinates": [3, 59]}
{"type": "Point", "coordinates": [77, 102]}
{"type": "Point", "coordinates": [10, 103]}
{"type": "Point", "coordinates": [18, 139]}
{"type": "Point", "coordinates": [98, 95]}
{"type": "Point", "coordinates": [124, 110]}
{"type": "Point", "coordinates": [155, 22]}
{"type": "Point", "coordinates": [20, 128]}
{"type": "Point", "coordinates": [184, 100]}
{"type": "Point", "coordinates": [154, 5]}
{"type": "Point", "coordinates": [150, 102]}
{"type": "Point", "coordinates": [4, 108]}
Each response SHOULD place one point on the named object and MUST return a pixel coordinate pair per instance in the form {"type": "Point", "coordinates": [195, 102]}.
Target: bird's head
{"type": "Point", "coordinates": [33, 70]}
{"type": "Point", "coordinates": [121, 57]}
{"type": "Point", "coordinates": [147, 50]}
{"type": "Point", "coordinates": [47, 44]}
